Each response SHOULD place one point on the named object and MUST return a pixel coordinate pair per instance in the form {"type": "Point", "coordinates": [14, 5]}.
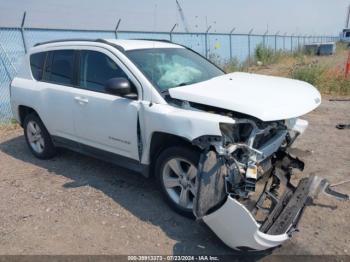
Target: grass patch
{"type": "Point", "coordinates": [9, 126]}
{"type": "Point", "coordinates": [265, 55]}
{"type": "Point", "coordinates": [328, 80]}
{"type": "Point", "coordinates": [324, 72]}
{"type": "Point", "coordinates": [334, 82]}
{"type": "Point", "coordinates": [268, 56]}
{"type": "Point", "coordinates": [233, 65]}
{"type": "Point", "coordinates": [309, 73]}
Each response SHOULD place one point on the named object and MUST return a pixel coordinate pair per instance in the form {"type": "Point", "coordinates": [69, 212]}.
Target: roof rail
{"type": "Point", "coordinates": [156, 40]}
{"type": "Point", "coordinates": [82, 39]}
{"type": "Point", "coordinates": [65, 40]}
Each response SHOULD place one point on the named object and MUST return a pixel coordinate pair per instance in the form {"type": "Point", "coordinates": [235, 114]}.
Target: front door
{"type": "Point", "coordinates": [102, 120]}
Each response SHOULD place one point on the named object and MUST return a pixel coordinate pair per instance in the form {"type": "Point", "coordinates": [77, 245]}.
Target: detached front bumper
{"type": "Point", "coordinates": [237, 228]}
{"type": "Point", "coordinates": [259, 220]}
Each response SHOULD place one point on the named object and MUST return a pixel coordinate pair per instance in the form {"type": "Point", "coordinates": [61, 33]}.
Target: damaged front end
{"type": "Point", "coordinates": [245, 188]}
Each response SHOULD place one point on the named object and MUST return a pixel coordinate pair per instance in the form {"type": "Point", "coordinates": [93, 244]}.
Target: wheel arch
{"type": "Point", "coordinates": [23, 111]}
{"type": "Point", "coordinates": [161, 141]}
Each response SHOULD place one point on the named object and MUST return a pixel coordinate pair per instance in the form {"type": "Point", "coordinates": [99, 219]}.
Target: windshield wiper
{"type": "Point", "coordinates": [183, 84]}
{"type": "Point", "coordinates": [166, 91]}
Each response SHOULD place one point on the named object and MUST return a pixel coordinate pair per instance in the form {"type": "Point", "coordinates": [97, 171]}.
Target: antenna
{"type": "Point", "coordinates": [182, 16]}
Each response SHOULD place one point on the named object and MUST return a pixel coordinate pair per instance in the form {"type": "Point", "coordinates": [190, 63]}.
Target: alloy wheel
{"type": "Point", "coordinates": [179, 176]}
{"type": "Point", "coordinates": [35, 138]}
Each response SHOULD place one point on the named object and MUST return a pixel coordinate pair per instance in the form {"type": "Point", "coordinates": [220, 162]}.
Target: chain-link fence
{"type": "Point", "coordinates": [15, 42]}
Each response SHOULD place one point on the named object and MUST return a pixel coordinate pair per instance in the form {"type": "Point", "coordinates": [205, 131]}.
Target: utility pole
{"type": "Point", "coordinates": [347, 18]}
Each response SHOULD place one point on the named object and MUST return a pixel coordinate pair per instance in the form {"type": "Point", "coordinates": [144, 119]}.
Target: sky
{"type": "Point", "coordinates": [311, 17]}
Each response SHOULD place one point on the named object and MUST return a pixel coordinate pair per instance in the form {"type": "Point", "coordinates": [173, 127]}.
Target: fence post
{"type": "Point", "coordinates": [231, 32]}
{"type": "Point", "coordinates": [206, 41]}
{"type": "Point", "coordinates": [298, 38]}
{"type": "Point", "coordinates": [249, 51]}
{"type": "Point", "coordinates": [276, 41]}
{"type": "Point", "coordinates": [284, 41]}
{"type": "Point", "coordinates": [22, 32]}
{"type": "Point", "coordinates": [264, 38]}
{"type": "Point", "coordinates": [116, 28]}
{"type": "Point", "coordinates": [291, 43]}
{"type": "Point", "coordinates": [171, 32]}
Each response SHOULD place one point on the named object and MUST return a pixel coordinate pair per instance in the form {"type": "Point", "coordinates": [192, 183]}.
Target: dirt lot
{"type": "Point", "coordinates": [74, 204]}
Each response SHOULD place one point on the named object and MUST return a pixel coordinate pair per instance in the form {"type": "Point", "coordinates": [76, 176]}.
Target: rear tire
{"type": "Point", "coordinates": [38, 138]}
{"type": "Point", "coordinates": [176, 171]}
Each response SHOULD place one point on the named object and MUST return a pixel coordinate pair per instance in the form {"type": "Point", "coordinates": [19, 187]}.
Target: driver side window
{"type": "Point", "coordinates": [96, 69]}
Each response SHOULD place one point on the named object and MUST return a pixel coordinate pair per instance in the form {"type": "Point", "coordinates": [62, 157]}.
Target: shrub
{"type": "Point", "coordinates": [310, 73]}
{"type": "Point", "coordinates": [328, 81]}
{"type": "Point", "coordinates": [265, 55]}
{"type": "Point", "coordinates": [216, 59]}
{"type": "Point", "coordinates": [232, 65]}
{"type": "Point", "coordinates": [333, 81]}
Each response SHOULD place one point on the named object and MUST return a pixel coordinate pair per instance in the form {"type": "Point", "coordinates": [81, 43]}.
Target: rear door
{"type": "Point", "coordinates": [58, 92]}
{"type": "Point", "coordinates": [102, 120]}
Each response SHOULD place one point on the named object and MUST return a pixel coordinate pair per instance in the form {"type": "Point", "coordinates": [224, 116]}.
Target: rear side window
{"type": "Point", "coordinates": [96, 69]}
{"type": "Point", "coordinates": [59, 67]}
{"type": "Point", "coordinates": [36, 64]}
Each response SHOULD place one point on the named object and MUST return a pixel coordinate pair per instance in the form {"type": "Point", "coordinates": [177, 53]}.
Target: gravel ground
{"type": "Point", "coordinates": [74, 204]}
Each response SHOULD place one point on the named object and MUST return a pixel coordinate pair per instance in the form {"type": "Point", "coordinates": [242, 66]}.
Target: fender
{"type": "Point", "coordinates": [188, 124]}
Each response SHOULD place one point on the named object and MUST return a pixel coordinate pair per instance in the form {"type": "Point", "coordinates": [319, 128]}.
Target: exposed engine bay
{"type": "Point", "coordinates": [245, 184]}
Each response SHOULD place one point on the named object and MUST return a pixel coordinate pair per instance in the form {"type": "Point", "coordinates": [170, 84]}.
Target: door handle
{"type": "Point", "coordinates": [81, 100]}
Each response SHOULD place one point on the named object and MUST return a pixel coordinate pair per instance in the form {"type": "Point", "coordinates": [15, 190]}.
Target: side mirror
{"type": "Point", "coordinates": [118, 86]}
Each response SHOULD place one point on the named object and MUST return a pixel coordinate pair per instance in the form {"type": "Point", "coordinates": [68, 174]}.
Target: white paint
{"type": "Point", "coordinates": [236, 227]}
{"type": "Point", "coordinates": [94, 118]}
{"type": "Point", "coordinates": [265, 97]}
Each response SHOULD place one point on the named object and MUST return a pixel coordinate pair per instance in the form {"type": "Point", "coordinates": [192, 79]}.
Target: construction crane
{"type": "Point", "coordinates": [346, 31]}
{"type": "Point", "coordinates": [182, 16]}
{"type": "Point", "coordinates": [347, 18]}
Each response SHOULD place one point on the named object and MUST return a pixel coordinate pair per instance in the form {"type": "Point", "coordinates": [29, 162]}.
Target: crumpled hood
{"type": "Point", "coordinates": [265, 97]}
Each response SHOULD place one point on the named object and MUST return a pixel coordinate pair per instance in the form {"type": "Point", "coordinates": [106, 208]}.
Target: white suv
{"type": "Point", "coordinates": [217, 143]}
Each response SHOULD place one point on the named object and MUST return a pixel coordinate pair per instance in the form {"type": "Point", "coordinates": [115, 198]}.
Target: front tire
{"type": "Point", "coordinates": [176, 171]}
{"type": "Point", "coordinates": [38, 138]}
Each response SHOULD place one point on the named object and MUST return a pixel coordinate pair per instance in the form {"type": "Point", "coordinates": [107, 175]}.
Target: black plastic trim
{"type": "Point", "coordinates": [156, 40]}
{"type": "Point", "coordinates": [76, 68]}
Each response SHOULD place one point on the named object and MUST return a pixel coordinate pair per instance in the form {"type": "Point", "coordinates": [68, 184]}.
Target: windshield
{"type": "Point", "coordinates": [171, 67]}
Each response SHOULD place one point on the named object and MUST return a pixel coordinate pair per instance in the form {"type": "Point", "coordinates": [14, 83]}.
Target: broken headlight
{"type": "Point", "coordinates": [235, 133]}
